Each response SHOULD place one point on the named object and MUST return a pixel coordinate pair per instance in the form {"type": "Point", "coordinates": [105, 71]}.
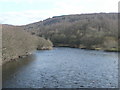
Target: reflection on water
{"type": "Point", "coordinates": [11, 68]}
{"type": "Point", "coordinates": [63, 68]}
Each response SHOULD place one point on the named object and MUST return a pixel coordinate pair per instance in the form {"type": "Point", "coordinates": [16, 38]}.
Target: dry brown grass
{"type": "Point", "coordinates": [17, 42]}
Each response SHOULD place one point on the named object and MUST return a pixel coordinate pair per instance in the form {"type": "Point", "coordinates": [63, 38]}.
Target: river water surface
{"type": "Point", "coordinates": [63, 68]}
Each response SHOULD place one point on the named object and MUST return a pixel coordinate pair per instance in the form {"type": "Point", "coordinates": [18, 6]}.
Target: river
{"type": "Point", "coordinates": [63, 68]}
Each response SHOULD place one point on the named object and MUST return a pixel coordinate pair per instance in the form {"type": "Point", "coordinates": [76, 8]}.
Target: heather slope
{"type": "Point", "coordinates": [18, 43]}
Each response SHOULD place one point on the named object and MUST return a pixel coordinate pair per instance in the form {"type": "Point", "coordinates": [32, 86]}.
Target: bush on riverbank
{"type": "Point", "coordinates": [44, 44]}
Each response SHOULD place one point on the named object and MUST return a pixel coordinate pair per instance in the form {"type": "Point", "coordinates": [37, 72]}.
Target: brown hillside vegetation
{"type": "Point", "coordinates": [17, 43]}
{"type": "Point", "coordinates": [90, 31]}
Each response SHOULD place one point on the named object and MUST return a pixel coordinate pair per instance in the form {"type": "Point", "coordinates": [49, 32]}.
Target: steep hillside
{"type": "Point", "coordinates": [90, 31]}
{"type": "Point", "coordinates": [17, 42]}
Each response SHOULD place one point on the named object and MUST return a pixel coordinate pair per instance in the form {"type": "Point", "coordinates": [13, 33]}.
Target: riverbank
{"type": "Point", "coordinates": [50, 48]}
{"type": "Point", "coordinates": [25, 55]}
{"type": "Point", "coordinates": [89, 48]}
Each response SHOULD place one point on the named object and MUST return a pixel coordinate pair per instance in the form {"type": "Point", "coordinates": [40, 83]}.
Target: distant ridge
{"type": "Point", "coordinates": [90, 31]}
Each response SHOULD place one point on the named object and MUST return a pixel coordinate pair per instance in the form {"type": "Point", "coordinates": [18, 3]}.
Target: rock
{"type": "Point", "coordinates": [81, 86]}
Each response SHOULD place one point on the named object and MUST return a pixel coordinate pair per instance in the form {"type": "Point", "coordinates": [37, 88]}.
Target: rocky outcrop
{"type": "Point", "coordinates": [45, 48]}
